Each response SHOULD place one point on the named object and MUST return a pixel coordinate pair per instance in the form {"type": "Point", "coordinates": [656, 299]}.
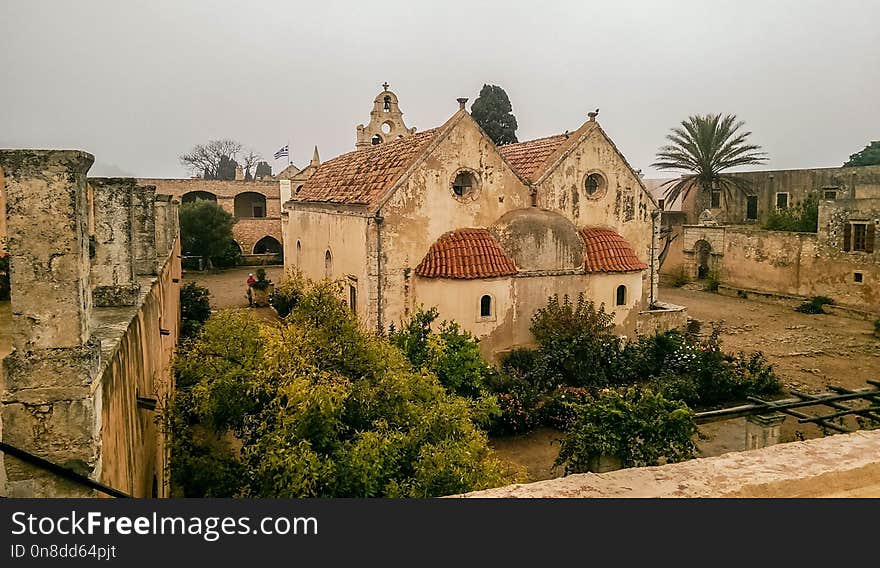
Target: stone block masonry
{"type": "Point", "coordinates": [94, 325]}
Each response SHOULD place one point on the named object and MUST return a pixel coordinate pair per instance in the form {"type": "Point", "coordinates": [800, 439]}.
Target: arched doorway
{"type": "Point", "coordinates": [192, 196]}
{"type": "Point", "coordinates": [702, 253]}
{"type": "Point", "coordinates": [267, 245]}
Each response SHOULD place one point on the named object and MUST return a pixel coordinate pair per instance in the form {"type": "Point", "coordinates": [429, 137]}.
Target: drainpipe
{"type": "Point", "coordinates": [654, 216]}
{"type": "Point", "coordinates": [378, 219]}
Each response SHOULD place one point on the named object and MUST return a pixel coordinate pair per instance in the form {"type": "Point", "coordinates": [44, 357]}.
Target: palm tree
{"type": "Point", "coordinates": [704, 147]}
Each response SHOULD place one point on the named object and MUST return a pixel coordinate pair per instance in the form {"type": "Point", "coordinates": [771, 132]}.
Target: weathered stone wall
{"type": "Point", "coordinates": [845, 465]}
{"type": "Point", "coordinates": [247, 230]}
{"type": "Point", "coordinates": [70, 385]}
{"type": "Point", "coordinates": [848, 183]}
{"type": "Point", "coordinates": [799, 264]}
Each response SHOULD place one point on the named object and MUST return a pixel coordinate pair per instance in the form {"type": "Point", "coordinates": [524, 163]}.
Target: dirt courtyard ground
{"type": "Point", "coordinates": [229, 287]}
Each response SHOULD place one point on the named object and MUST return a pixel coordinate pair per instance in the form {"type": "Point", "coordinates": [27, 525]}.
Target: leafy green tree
{"type": "Point", "coordinates": [205, 229]}
{"type": "Point", "coordinates": [451, 353]}
{"type": "Point", "coordinates": [195, 309]}
{"type": "Point", "coordinates": [263, 170]}
{"type": "Point", "coordinates": [323, 408]}
{"type": "Point", "coordinates": [493, 112]}
{"type": "Point", "coordinates": [634, 425]}
{"type": "Point", "coordinates": [869, 156]}
{"type": "Point", "coordinates": [704, 147]}
{"type": "Point", "coordinates": [226, 168]}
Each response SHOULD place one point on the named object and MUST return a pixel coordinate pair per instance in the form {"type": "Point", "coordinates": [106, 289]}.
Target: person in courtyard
{"type": "Point", "coordinates": [250, 283]}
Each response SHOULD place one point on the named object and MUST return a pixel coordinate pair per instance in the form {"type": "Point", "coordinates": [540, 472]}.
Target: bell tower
{"type": "Point", "coordinates": [386, 121]}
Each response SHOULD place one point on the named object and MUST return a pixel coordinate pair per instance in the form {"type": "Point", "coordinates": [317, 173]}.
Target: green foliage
{"type": "Point", "coordinates": [703, 147]}
{"type": "Point", "coordinates": [802, 218]}
{"type": "Point", "coordinates": [205, 229]}
{"type": "Point", "coordinates": [5, 288]}
{"type": "Point", "coordinates": [263, 170]}
{"type": "Point", "coordinates": [869, 156]}
{"type": "Point", "coordinates": [635, 425]}
{"type": "Point", "coordinates": [230, 257]}
{"type": "Point", "coordinates": [559, 409]}
{"type": "Point", "coordinates": [288, 293]}
{"type": "Point", "coordinates": [262, 282]}
{"type": "Point", "coordinates": [815, 305]}
{"type": "Point", "coordinates": [450, 353]}
{"type": "Point", "coordinates": [323, 408]}
{"type": "Point", "coordinates": [493, 112]}
{"type": "Point", "coordinates": [576, 341]}
{"type": "Point", "coordinates": [195, 309]}
{"type": "Point", "coordinates": [679, 277]}
{"type": "Point", "coordinates": [713, 280]}
{"type": "Point", "coordinates": [226, 168]}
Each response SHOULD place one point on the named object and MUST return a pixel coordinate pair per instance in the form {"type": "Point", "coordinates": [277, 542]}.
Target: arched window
{"type": "Point", "coordinates": [328, 264]}
{"type": "Point", "coordinates": [376, 140]}
{"type": "Point", "coordinates": [192, 196]}
{"type": "Point", "coordinates": [621, 295]}
{"type": "Point", "coordinates": [299, 249]}
{"type": "Point", "coordinates": [387, 104]}
{"type": "Point", "coordinates": [486, 306]}
{"type": "Point", "coordinates": [250, 204]}
{"type": "Point", "coordinates": [267, 245]}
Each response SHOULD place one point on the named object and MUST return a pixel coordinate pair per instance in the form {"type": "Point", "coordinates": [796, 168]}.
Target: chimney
{"type": "Point", "coordinates": [461, 102]}
{"type": "Point", "coordinates": [239, 173]}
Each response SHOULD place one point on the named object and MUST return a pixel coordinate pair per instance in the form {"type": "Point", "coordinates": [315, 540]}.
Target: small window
{"type": "Point", "coordinates": [782, 201]}
{"type": "Point", "coordinates": [752, 207]}
{"type": "Point", "coordinates": [328, 264]}
{"type": "Point", "coordinates": [299, 187]}
{"type": "Point", "coordinates": [858, 277]}
{"type": "Point", "coordinates": [352, 297]}
{"type": "Point", "coordinates": [715, 199]}
{"type": "Point", "coordinates": [486, 306]}
{"type": "Point", "coordinates": [621, 295]}
{"type": "Point", "coordinates": [661, 203]}
{"type": "Point", "coordinates": [376, 140]}
{"type": "Point", "coordinates": [298, 253]}
{"type": "Point", "coordinates": [594, 185]}
{"type": "Point", "coordinates": [464, 184]}
{"type": "Point", "coordinates": [830, 194]}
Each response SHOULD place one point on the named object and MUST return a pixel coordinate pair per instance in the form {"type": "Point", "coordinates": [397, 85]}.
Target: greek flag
{"type": "Point", "coordinates": [283, 152]}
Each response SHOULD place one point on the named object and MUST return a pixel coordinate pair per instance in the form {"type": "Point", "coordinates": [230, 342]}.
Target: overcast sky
{"type": "Point", "coordinates": [139, 82]}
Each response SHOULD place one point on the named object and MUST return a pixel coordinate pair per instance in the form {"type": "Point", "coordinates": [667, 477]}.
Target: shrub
{"type": "Point", "coordinates": [559, 409]}
{"type": "Point", "coordinates": [323, 408]}
{"type": "Point", "coordinates": [635, 425]}
{"type": "Point", "coordinates": [679, 277]}
{"type": "Point", "coordinates": [288, 293]}
{"type": "Point", "coordinates": [802, 218]}
{"type": "Point", "coordinates": [195, 309]}
{"type": "Point", "coordinates": [713, 280]}
{"type": "Point", "coordinates": [229, 257]}
{"type": "Point", "coordinates": [815, 305]}
{"type": "Point", "coordinates": [262, 282]}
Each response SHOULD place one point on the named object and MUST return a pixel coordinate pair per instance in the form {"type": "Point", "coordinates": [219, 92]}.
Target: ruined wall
{"type": "Point", "coordinates": [799, 264]}
{"type": "Point", "coordinates": [848, 183]}
{"type": "Point", "coordinates": [247, 230]}
{"type": "Point", "coordinates": [71, 383]}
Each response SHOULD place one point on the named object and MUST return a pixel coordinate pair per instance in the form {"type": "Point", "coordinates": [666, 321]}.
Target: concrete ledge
{"type": "Point", "coordinates": [845, 465]}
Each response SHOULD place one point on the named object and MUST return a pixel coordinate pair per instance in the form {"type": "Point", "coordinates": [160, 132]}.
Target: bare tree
{"type": "Point", "coordinates": [205, 159]}
{"type": "Point", "coordinates": [248, 161]}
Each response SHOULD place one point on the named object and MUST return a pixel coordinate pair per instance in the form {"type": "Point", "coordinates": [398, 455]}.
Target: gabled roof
{"type": "Point", "coordinates": [529, 158]}
{"type": "Point", "coordinates": [607, 251]}
{"type": "Point", "coordinates": [466, 254]}
{"type": "Point", "coordinates": [361, 177]}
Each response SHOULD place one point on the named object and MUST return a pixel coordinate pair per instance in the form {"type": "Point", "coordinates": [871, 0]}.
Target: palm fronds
{"type": "Point", "coordinates": [704, 147]}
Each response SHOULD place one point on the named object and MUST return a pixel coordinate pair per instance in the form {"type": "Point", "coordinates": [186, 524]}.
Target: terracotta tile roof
{"type": "Point", "coordinates": [529, 158]}
{"type": "Point", "coordinates": [607, 251]}
{"type": "Point", "coordinates": [360, 177]}
{"type": "Point", "coordinates": [467, 254]}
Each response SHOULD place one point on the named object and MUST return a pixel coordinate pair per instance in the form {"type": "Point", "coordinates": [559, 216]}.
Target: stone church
{"type": "Point", "coordinates": [443, 217]}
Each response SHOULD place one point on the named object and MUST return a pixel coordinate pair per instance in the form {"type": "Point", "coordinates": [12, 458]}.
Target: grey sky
{"type": "Point", "coordinates": [137, 83]}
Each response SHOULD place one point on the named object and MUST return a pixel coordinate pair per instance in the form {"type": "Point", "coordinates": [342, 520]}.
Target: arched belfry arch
{"type": "Point", "coordinates": [386, 121]}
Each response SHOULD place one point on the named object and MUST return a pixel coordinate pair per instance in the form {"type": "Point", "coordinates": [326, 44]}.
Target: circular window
{"type": "Point", "coordinates": [386, 127]}
{"type": "Point", "coordinates": [594, 185]}
{"type": "Point", "coordinates": [464, 184]}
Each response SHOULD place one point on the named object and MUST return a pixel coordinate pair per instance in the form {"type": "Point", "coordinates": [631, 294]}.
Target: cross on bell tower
{"type": "Point", "coordinates": [386, 121]}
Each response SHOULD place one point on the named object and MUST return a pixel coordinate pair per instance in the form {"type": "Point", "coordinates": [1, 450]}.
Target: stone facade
{"type": "Point", "coordinates": [256, 206]}
{"type": "Point", "coordinates": [370, 218]}
{"type": "Point", "coordinates": [94, 324]}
